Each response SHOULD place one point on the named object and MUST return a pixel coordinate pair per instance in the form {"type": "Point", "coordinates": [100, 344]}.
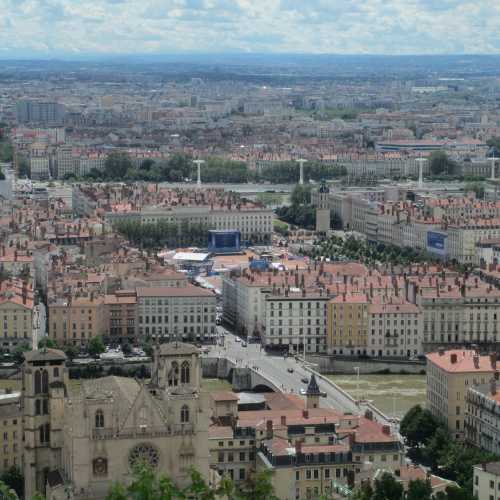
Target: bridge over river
{"type": "Point", "coordinates": [250, 368]}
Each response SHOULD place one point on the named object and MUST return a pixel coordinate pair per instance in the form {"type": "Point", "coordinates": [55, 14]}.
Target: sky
{"type": "Point", "coordinates": [55, 27]}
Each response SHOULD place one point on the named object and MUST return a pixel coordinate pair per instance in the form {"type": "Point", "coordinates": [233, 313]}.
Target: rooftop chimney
{"type": "Point", "coordinates": [269, 429]}
{"type": "Point", "coordinates": [386, 429]}
{"type": "Point", "coordinates": [453, 358]}
{"type": "Point", "coordinates": [283, 420]}
{"type": "Point", "coordinates": [305, 413]}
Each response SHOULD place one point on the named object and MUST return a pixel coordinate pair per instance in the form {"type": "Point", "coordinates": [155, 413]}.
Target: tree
{"type": "Point", "coordinates": [475, 187]}
{"type": "Point", "coordinates": [419, 490]}
{"type": "Point", "coordinates": [301, 195]}
{"type": "Point", "coordinates": [23, 168]}
{"type": "Point", "coordinates": [117, 164]}
{"type": "Point", "coordinates": [7, 493]}
{"type": "Point", "coordinates": [71, 351]}
{"type": "Point", "coordinates": [48, 343]}
{"type": "Point", "coordinates": [14, 479]}
{"type": "Point", "coordinates": [387, 488]}
{"type": "Point", "coordinates": [19, 352]}
{"type": "Point", "coordinates": [418, 426]}
{"type": "Point", "coordinates": [454, 493]}
{"type": "Point", "coordinates": [440, 163]}
{"type": "Point", "coordinates": [147, 164]}
{"type": "Point", "coordinates": [126, 348]}
{"type": "Point", "coordinates": [96, 346]}
{"type": "Point", "coordinates": [257, 486]}
{"type": "Point", "coordinates": [363, 492]}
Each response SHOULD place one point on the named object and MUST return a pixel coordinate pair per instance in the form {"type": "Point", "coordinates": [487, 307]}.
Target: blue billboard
{"type": "Point", "coordinates": [224, 241]}
{"type": "Point", "coordinates": [436, 243]}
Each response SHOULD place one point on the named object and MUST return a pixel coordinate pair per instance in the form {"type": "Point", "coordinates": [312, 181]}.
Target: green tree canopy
{"type": "Point", "coordinates": [418, 426]}
{"type": "Point", "coordinates": [13, 479]}
{"type": "Point", "coordinates": [96, 346]}
{"type": "Point", "coordinates": [419, 490]}
{"type": "Point", "coordinates": [440, 163]}
{"type": "Point", "coordinates": [117, 164]}
{"type": "Point", "coordinates": [387, 488]}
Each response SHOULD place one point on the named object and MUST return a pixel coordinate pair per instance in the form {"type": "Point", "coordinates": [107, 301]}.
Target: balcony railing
{"type": "Point", "coordinates": [144, 431]}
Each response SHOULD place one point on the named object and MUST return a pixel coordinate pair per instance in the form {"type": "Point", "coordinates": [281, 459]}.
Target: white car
{"type": "Point", "coordinates": [237, 339]}
{"type": "Point", "coordinates": [303, 392]}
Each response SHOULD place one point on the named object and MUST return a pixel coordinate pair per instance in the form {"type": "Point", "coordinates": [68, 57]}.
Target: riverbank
{"type": "Point", "coordinates": [392, 394]}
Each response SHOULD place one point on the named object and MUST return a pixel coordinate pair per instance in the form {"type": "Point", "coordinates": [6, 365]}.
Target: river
{"type": "Point", "coordinates": [388, 392]}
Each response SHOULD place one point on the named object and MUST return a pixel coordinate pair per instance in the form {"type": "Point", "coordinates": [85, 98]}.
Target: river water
{"type": "Point", "coordinates": [393, 394]}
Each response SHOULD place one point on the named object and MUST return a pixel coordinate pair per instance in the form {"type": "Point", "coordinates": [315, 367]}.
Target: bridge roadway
{"type": "Point", "coordinates": [276, 369]}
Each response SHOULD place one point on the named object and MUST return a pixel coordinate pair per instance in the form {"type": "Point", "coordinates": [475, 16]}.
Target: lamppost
{"type": "Point", "coordinates": [356, 369]}
{"type": "Point", "coordinates": [198, 164]}
{"type": "Point", "coordinates": [301, 170]}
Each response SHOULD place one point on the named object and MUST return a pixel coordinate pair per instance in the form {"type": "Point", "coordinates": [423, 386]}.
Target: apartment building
{"type": "Point", "coordinates": [11, 435]}
{"type": "Point", "coordinates": [449, 375]}
{"type": "Point", "coordinates": [76, 318]}
{"type": "Point", "coordinates": [456, 310]}
{"type": "Point", "coordinates": [310, 449]}
{"type": "Point", "coordinates": [121, 316]}
{"type": "Point", "coordinates": [347, 324]}
{"type": "Point", "coordinates": [394, 329]}
{"type": "Point", "coordinates": [185, 313]}
{"type": "Point", "coordinates": [16, 314]}
{"type": "Point", "coordinates": [296, 320]}
{"type": "Point", "coordinates": [482, 420]}
{"type": "Point", "coordinates": [486, 482]}
{"type": "Point", "coordinates": [254, 224]}
{"type": "Point", "coordinates": [39, 168]}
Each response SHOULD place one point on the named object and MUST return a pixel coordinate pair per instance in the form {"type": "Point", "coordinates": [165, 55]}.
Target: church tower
{"type": "Point", "coordinates": [312, 394]}
{"type": "Point", "coordinates": [45, 378]}
{"type": "Point", "coordinates": [323, 209]}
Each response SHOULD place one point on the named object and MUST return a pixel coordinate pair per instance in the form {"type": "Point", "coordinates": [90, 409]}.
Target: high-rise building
{"type": "Point", "coordinates": [44, 112]}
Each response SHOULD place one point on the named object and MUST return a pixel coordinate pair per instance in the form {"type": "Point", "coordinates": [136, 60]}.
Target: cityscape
{"type": "Point", "coordinates": [249, 260]}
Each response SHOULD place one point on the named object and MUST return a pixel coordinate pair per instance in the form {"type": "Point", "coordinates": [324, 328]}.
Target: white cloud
{"type": "Point", "coordinates": [316, 26]}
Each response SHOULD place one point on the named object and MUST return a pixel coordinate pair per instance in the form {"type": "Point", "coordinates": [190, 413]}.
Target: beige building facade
{"type": "Point", "coordinates": [449, 375]}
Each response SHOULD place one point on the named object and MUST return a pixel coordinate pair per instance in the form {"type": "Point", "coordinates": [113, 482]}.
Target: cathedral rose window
{"type": "Point", "coordinates": [144, 453]}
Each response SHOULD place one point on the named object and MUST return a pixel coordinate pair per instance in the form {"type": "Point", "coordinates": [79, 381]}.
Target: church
{"type": "Point", "coordinates": [82, 438]}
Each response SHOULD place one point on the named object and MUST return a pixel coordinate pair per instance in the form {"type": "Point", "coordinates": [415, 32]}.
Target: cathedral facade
{"type": "Point", "coordinates": [82, 438]}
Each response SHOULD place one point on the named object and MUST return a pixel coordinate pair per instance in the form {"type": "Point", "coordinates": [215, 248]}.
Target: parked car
{"type": "Point", "coordinates": [290, 370]}
{"type": "Point", "coordinates": [243, 344]}
{"type": "Point", "coordinates": [304, 380]}
{"type": "Point", "coordinates": [303, 392]}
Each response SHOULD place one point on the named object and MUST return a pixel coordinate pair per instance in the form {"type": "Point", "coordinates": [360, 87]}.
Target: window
{"type": "Point", "coordinates": [38, 407]}
{"type": "Point", "coordinates": [44, 432]}
{"type": "Point", "coordinates": [45, 407]}
{"type": "Point", "coordinates": [185, 414]}
{"type": "Point", "coordinates": [308, 474]}
{"type": "Point", "coordinates": [242, 456]}
{"type": "Point", "coordinates": [173, 375]}
{"type": "Point", "coordinates": [185, 373]}
{"type": "Point", "coordinates": [99, 419]}
{"type": "Point", "coordinates": [297, 475]}
{"type": "Point", "coordinates": [242, 474]}
{"type": "Point", "coordinates": [221, 457]}
{"type": "Point", "coordinates": [56, 372]}
{"type": "Point", "coordinates": [230, 457]}
{"type": "Point", "coordinates": [327, 473]}
{"type": "Point", "coordinates": [38, 382]}
{"type": "Point", "coordinates": [492, 484]}
{"type": "Point", "coordinates": [45, 381]}
{"type": "Point", "coordinates": [100, 467]}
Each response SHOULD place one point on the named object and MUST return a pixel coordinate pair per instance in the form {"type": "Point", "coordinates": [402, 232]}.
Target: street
{"type": "Point", "coordinates": [275, 369]}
